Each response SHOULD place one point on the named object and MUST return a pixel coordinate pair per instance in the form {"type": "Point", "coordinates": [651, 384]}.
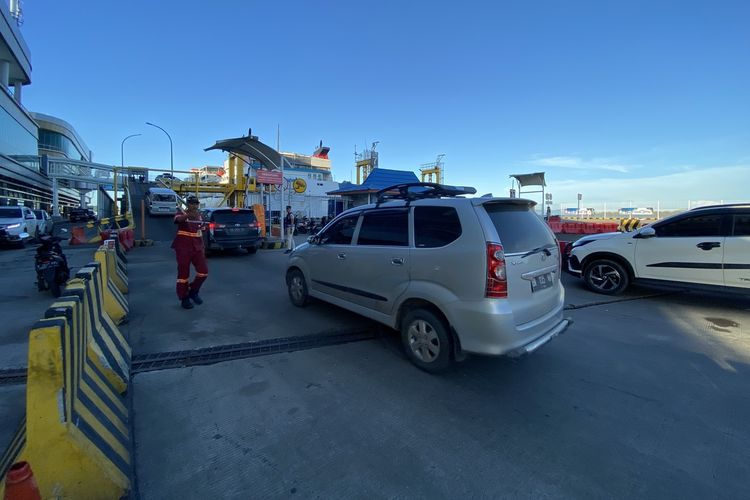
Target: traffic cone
{"type": "Point", "coordinates": [20, 483]}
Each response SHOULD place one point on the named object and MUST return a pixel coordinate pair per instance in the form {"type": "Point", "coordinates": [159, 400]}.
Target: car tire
{"type": "Point", "coordinates": [297, 288]}
{"type": "Point", "coordinates": [606, 276]}
{"type": "Point", "coordinates": [426, 341]}
{"type": "Point", "coordinates": [252, 250]}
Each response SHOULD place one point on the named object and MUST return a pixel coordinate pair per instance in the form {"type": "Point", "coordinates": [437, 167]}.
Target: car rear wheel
{"type": "Point", "coordinates": [426, 340]}
{"type": "Point", "coordinates": [297, 288]}
{"type": "Point", "coordinates": [252, 250]}
{"type": "Point", "coordinates": [606, 276]}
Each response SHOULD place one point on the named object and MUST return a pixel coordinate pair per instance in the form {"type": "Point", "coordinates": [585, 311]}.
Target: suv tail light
{"type": "Point", "coordinates": [497, 280]}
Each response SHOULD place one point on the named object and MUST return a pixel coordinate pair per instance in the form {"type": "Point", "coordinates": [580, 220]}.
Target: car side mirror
{"type": "Point", "coordinates": [646, 232]}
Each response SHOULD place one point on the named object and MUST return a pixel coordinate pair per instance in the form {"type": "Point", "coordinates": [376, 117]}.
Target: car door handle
{"type": "Point", "coordinates": [341, 256]}
{"type": "Point", "coordinates": [708, 245]}
{"type": "Point", "coordinates": [398, 261]}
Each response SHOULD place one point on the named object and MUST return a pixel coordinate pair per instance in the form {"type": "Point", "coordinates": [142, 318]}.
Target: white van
{"type": "Point", "coordinates": [161, 201]}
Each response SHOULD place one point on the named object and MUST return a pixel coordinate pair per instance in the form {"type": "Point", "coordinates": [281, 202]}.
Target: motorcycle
{"type": "Point", "coordinates": [51, 265]}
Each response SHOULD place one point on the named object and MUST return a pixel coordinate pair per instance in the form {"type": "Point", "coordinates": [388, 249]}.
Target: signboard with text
{"type": "Point", "coordinates": [268, 176]}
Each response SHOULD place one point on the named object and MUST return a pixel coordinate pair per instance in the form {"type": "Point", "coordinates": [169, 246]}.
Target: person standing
{"type": "Point", "coordinates": [289, 228]}
{"type": "Point", "coordinates": [188, 247]}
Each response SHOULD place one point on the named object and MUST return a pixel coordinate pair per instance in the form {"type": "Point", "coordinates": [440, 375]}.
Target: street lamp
{"type": "Point", "coordinates": [171, 156]}
{"type": "Point", "coordinates": [122, 149]}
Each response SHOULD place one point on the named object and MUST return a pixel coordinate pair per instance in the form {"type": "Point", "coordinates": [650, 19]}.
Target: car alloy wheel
{"type": "Point", "coordinates": [606, 277]}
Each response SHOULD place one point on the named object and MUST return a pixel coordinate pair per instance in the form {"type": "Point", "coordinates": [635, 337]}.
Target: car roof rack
{"type": "Point", "coordinates": [420, 190]}
{"type": "Point", "coordinates": [726, 205]}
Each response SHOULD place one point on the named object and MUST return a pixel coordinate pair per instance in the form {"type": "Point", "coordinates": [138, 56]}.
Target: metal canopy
{"type": "Point", "coordinates": [250, 146]}
{"type": "Point", "coordinates": [535, 179]}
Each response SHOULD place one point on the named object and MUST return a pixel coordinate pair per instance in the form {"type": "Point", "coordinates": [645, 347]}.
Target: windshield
{"type": "Point", "coordinates": [39, 214]}
{"type": "Point", "coordinates": [227, 217]}
{"type": "Point", "coordinates": [519, 228]}
{"type": "Point", "coordinates": [10, 213]}
{"type": "Point", "coordinates": [164, 198]}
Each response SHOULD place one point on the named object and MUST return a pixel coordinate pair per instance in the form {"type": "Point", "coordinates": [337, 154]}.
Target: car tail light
{"type": "Point", "coordinates": [235, 209]}
{"type": "Point", "coordinates": [497, 280]}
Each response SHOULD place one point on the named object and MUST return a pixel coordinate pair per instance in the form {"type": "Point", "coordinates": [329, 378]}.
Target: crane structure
{"type": "Point", "coordinates": [366, 162]}
{"type": "Point", "coordinates": [436, 168]}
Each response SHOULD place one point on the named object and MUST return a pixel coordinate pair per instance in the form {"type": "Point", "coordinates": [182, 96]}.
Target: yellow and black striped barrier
{"type": "Point", "coordinates": [111, 349]}
{"type": "Point", "coordinates": [77, 434]}
{"type": "Point", "coordinates": [115, 303]}
{"type": "Point", "coordinates": [115, 272]}
{"type": "Point", "coordinates": [274, 244]}
{"type": "Point", "coordinates": [627, 225]}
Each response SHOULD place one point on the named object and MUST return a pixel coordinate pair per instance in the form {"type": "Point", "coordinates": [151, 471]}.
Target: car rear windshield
{"type": "Point", "coordinates": [10, 213]}
{"type": "Point", "coordinates": [229, 217]}
{"type": "Point", "coordinates": [519, 228]}
{"type": "Point", "coordinates": [164, 197]}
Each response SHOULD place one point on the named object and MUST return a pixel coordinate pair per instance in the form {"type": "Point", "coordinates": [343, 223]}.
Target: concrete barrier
{"type": "Point", "coordinates": [77, 436]}
{"type": "Point", "coordinates": [115, 303]}
{"type": "Point", "coordinates": [115, 268]}
{"type": "Point", "coordinates": [112, 350]}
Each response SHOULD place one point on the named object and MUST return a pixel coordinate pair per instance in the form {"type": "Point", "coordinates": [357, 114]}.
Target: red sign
{"type": "Point", "coordinates": [268, 176]}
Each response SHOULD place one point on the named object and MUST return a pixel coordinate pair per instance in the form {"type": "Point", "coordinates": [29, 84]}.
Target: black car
{"type": "Point", "coordinates": [82, 214]}
{"type": "Point", "coordinates": [230, 228]}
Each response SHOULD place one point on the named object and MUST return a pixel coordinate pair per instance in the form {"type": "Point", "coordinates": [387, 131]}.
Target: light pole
{"type": "Point", "coordinates": [171, 156]}
{"type": "Point", "coordinates": [122, 149]}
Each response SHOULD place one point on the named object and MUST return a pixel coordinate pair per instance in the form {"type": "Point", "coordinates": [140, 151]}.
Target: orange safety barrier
{"type": "Point", "coordinates": [78, 236]}
{"type": "Point", "coordinates": [555, 226]}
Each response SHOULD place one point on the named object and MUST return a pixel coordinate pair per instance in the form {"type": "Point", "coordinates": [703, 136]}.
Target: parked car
{"type": "Point", "coordinates": [707, 247]}
{"type": "Point", "coordinates": [44, 223]}
{"type": "Point", "coordinates": [230, 228]}
{"type": "Point", "coordinates": [454, 275]}
{"type": "Point", "coordinates": [82, 214]}
{"type": "Point", "coordinates": [17, 225]}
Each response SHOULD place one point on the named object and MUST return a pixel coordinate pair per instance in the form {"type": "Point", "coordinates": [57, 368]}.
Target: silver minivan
{"type": "Point", "coordinates": [454, 275]}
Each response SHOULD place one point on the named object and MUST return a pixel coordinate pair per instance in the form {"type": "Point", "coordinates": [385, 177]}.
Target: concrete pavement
{"type": "Point", "coordinates": [638, 400]}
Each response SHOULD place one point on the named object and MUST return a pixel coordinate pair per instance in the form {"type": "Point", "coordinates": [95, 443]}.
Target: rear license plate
{"type": "Point", "coordinates": [542, 282]}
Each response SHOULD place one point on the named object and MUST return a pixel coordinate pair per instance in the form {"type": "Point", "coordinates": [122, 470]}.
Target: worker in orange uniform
{"type": "Point", "coordinates": [188, 245]}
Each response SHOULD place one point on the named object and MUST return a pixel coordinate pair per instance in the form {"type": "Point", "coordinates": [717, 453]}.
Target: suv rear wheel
{"type": "Point", "coordinates": [426, 340]}
{"type": "Point", "coordinates": [606, 276]}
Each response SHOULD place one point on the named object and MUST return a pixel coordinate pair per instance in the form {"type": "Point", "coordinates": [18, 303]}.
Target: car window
{"type": "Point", "coordinates": [741, 225]}
{"type": "Point", "coordinates": [227, 217]}
{"type": "Point", "coordinates": [341, 232]}
{"type": "Point", "coordinates": [163, 197]}
{"type": "Point", "coordinates": [385, 227]}
{"type": "Point", "coordinates": [700, 225]}
{"type": "Point", "coordinates": [10, 213]}
{"type": "Point", "coordinates": [519, 228]}
{"type": "Point", "coordinates": [435, 226]}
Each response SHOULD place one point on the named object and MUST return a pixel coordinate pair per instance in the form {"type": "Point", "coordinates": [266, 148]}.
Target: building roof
{"type": "Point", "coordinates": [379, 178]}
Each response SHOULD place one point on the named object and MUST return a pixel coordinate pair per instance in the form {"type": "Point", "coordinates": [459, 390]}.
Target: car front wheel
{"type": "Point", "coordinates": [426, 340]}
{"type": "Point", "coordinates": [297, 288]}
{"type": "Point", "coordinates": [606, 276]}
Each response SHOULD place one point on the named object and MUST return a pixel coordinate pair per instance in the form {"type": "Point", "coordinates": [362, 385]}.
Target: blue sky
{"type": "Point", "coordinates": [622, 101]}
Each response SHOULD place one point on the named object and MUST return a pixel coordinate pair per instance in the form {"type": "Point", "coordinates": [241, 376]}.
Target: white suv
{"type": "Point", "coordinates": [453, 274]}
{"type": "Point", "coordinates": [17, 225]}
{"type": "Point", "coordinates": [706, 247]}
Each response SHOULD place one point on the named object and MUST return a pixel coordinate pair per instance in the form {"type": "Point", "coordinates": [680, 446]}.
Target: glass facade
{"type": "Point", "coordinates": [54, 141]}
{"type": "Point", "coordinates": [15, 139]}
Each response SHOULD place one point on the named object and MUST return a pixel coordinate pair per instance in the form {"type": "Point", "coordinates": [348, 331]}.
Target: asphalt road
{"type": "Point", "coordinates": [645, 396]}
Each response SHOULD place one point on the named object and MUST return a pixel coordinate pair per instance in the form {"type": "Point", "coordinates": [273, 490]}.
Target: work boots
{"type": "Point", "coordinates": [196, 298]}
{"type": "Point", "coordinates": [186, 304]}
